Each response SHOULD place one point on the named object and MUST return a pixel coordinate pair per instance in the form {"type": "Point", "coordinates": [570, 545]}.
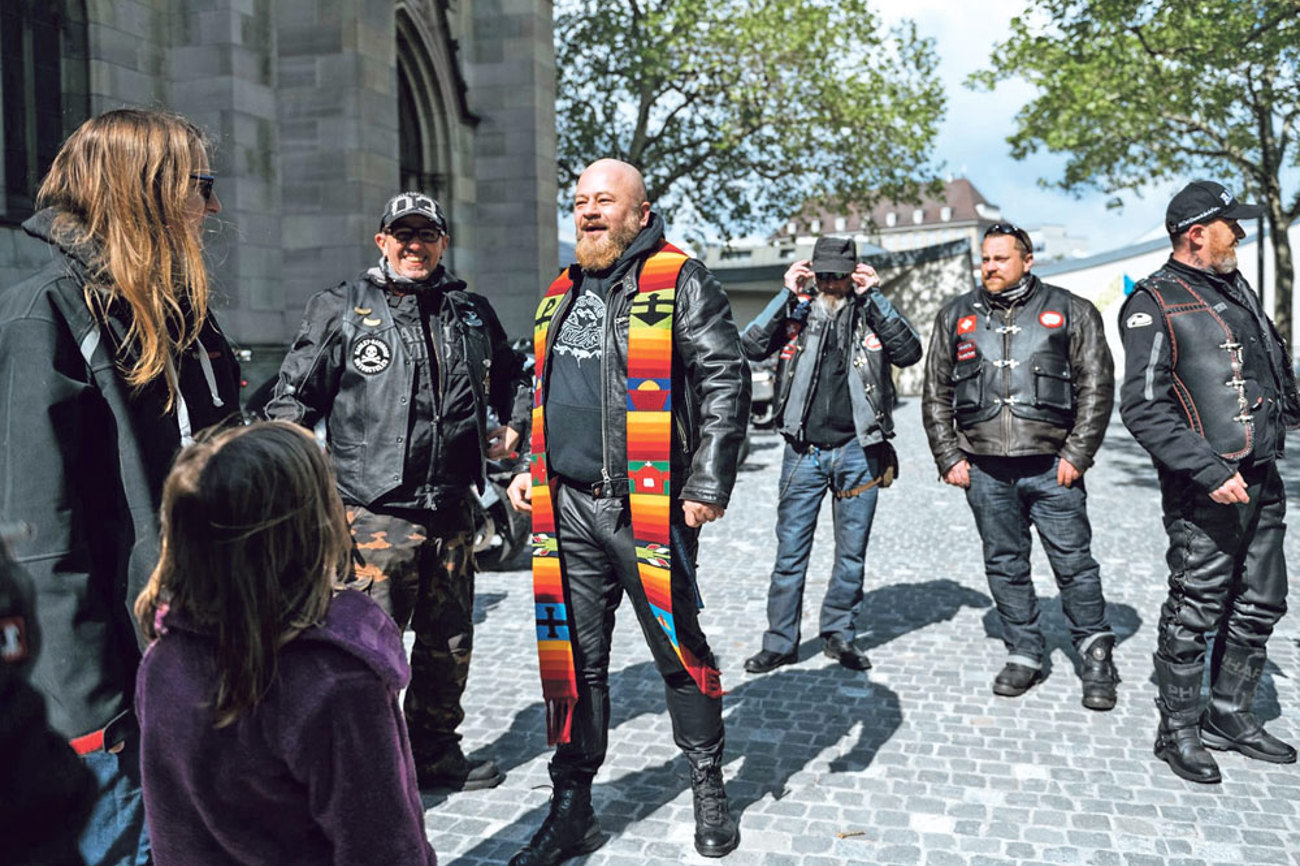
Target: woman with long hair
{"type": "Point", "coordinates": [270, 727]}
{"type": "Point", "coordinates": [109, 360]}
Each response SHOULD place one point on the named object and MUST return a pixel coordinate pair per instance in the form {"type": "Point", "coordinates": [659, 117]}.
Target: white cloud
{"type": "Point", "coordinates": [972, 139]}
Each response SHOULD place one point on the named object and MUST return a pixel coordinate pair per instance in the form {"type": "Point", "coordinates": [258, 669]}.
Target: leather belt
{"type": "Point", "coordinates": [598, 490]}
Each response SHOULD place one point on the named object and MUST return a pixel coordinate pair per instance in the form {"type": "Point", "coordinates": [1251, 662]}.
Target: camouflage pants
{"type": "Point", "coordinates": [422, 574]}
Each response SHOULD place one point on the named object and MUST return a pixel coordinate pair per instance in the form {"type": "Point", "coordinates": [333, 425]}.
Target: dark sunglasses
{"type": "Point", "coordinates": [205, 184]}
{"type": "Point", "coordinates": [1009, 229]}
{"type": "Point", "coordinates": [831, 275]}
{"type": "Point", "coordinates": [404, 236]}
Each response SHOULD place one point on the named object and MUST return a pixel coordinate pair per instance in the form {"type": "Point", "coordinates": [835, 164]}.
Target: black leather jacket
{"type": "Point", "coordinates": [878, 336]}
{"type": "Point", "coordinates": [1006, 433]}
{"type": "Point", "coordinates": [349, 365]}
{"type": "Point", "coordinates": [711, 382]}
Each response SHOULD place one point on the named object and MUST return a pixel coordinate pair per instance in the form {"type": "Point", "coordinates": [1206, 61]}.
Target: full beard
{"type": "Point", "coordinates": [829, 303]}
{"type": "Point", "coordinates": [1225, 264]}
{"type": "Point", "coordinates": [599, 255]}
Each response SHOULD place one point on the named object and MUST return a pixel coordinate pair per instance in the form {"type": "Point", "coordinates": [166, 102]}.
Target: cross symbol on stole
{"type": "Point", "coordinates": [646, 308]}
{"type": "Point", "coordinates": [552, 623]}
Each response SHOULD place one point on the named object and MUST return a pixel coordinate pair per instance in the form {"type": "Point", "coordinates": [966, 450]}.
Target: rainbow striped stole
{"type": "Point", "coordinates": [649, 447]}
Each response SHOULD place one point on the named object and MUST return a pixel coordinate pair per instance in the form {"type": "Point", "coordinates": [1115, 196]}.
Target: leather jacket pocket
{"type": "Point", "coordinates": [1052, 385]}
{"type": "Point", "coordinates": [967, 385]}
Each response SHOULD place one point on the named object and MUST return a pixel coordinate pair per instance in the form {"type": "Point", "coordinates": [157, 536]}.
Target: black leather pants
{"type": "Point", "coordinates": [1227, 571]}
{"type": "Point", "coordinates": [597, 551]}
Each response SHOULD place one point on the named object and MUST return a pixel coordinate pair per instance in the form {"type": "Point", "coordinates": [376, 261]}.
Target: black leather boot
{"type": "Point", "coordinates": [1228, 723]}
{"type": "Point", "coordinates": [716, 833]}
{"type": "Point", "coordinates": [570, 829]}
{"type": "Point", "coordinates": [1178, 740]}
{"type": "Point", "coordinates": [1099, 675]}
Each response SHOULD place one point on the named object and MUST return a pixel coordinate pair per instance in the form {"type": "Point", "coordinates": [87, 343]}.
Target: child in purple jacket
{"type": "Point", "coordinates": [270, 727]}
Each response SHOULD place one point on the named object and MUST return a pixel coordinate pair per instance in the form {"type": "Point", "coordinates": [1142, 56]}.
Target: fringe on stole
{"type": "Point", "coordinates": [559, 720]}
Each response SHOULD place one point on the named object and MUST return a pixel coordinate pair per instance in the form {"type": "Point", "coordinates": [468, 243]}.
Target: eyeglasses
{"type": "Point", "coordinates": [1009, 229]}
{"type": "Point", "coordinates": [205, 184]}
{"type": "Point", "coordinates": [828, 276]}
{"type": "Point", "coordinates": [404, 236]}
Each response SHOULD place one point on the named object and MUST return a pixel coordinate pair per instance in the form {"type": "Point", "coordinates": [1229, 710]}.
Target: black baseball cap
{"type": "Point", "coordinates": [1203, 201]}
{"type": "Point", "coordinates": [834, 255]}
{"type": "Point", "coordinates": [413, 203]}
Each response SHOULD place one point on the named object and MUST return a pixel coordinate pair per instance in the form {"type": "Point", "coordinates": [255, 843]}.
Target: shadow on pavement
{"type": "Point", "coordinates": [484, 602]}
{"type": "Point", "coordinates": [891, 611]}
{"type": "Point", "coordinates": [1124, 622]}
{"type": "Point", "coordinates": [778, 724]}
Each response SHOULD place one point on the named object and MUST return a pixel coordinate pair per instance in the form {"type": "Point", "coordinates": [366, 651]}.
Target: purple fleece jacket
{"type": "Point", "coordinates": [320, 772]}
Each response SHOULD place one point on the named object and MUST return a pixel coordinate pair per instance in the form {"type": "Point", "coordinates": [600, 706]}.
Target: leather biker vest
{"type": "Point", "coordinates": [1017, 357]}
{"type": "Point", "coordinates": [1208, 381]}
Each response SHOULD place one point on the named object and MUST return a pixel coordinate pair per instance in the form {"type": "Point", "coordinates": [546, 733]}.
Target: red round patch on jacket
{"type": "Point", "coordinates": [965, 324]}
{"type": "Point", "coordinates": [872, 343]}
{"type": "Point", "coordinates": [1051, 319]}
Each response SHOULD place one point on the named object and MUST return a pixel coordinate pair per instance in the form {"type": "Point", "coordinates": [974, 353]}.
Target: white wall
{"type": "Point", "coordinates": [1100, 278]}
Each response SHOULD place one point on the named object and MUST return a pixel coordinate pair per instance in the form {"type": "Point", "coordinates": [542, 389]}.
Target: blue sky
{"type": "Point", "coordinates": [972, 139]}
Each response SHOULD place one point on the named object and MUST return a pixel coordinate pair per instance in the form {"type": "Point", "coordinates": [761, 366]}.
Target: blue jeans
{"type": "Point", "coordinates": [1007, 495]}
{"type": "Point", "coordinates": [805, 478]}
{"type": "Point", "coordinates": [116, 834]}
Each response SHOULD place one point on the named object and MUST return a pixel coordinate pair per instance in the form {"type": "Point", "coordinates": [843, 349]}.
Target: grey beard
{"type": "Point", "coordinates": [1226, 264]}
{"type": "Point", "coordinates": [827, 304]}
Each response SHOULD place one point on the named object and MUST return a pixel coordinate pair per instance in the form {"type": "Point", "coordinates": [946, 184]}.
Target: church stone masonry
{"type": "Point", "coordinates": [319, 110]}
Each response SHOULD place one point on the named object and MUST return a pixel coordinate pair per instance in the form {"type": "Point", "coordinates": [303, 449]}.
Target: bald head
{"type": "Point", "coordinates": [614, 173]}
{"type": "Point", "coordinates": [609, 210]}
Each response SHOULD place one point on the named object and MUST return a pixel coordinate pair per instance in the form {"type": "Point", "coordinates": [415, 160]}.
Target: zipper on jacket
{"type": "Point", "coordinates": [435, 329]}
{"type": "Point", "coordinates": [1006, 380]}
{"type": "Point", "coordinates": [611, 322]}
{"type": "Point", "coordinates": [828, 328]}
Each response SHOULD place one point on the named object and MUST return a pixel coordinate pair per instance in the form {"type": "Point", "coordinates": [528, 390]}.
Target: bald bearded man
{"type": "Point", "coordinates": [641, 405]}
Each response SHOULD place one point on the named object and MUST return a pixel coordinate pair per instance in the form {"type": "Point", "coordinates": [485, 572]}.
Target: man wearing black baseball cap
{"type": "Point", "coordinates": [1204, 201]}
{"type": "Point", "coordinates": [402, 362]}
{"type": "Point", "coordinates": [1209, 391]}
{"type": "Point", "coordinates": [837, 336]}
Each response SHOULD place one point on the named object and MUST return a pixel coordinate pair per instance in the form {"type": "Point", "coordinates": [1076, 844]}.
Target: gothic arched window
{"type": "Point", "coordinates": [44, 93]}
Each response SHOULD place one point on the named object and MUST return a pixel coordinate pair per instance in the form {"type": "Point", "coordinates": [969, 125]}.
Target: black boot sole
{"type": "Point", "coordinates": [1223, 744]}
{"type": "Point", "coordinates": [1099, 703]}
{"type": "Point", "coordinates": [719, 850]}
{"type": "Point", "coordinates": [451, 783]}
{"type": "Point", "coordinates": [1163, 754]}
{"type": "Point", "coordinates": [1004, 690]}
{"type": "Point", "coordinates": [594, 839]}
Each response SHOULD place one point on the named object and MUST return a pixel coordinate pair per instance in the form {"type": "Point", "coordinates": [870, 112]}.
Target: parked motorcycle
{"type": "Point", "coordinates": [502, 536]}
{"type": "Point", "coordinates": [762, 412]}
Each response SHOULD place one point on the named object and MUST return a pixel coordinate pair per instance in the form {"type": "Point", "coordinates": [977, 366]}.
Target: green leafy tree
{"type": "Point", "coordinates": [1137, 91]}
{"type": "Point", "coordinates": [739, 112]}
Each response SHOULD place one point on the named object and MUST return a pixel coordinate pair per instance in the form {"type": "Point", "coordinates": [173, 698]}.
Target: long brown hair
{"type": "Point", "coordinates": [121, 184]}
{"type": "Point", "coordinates": [253, 539]}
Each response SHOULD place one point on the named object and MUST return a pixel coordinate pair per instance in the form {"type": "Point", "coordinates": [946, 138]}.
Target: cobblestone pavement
{"type": "Point", "coordinates": [915, 761]}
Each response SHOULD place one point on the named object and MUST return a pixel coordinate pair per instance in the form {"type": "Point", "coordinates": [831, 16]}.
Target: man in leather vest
{"type": "Point", "coordinates": [1019, 384]}
{"type": "Point", "coordinates": [838, 338]}
{"type": "Point", "coordinates": [634, 330]}
{"type": "Point", "coordinates": [402, 362]}
{"type": "Point", "coordinates": [1209, 391]}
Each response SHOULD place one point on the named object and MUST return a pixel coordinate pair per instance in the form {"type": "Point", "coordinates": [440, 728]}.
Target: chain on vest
{"type": "Point", "coordinates": [1017, 357]}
